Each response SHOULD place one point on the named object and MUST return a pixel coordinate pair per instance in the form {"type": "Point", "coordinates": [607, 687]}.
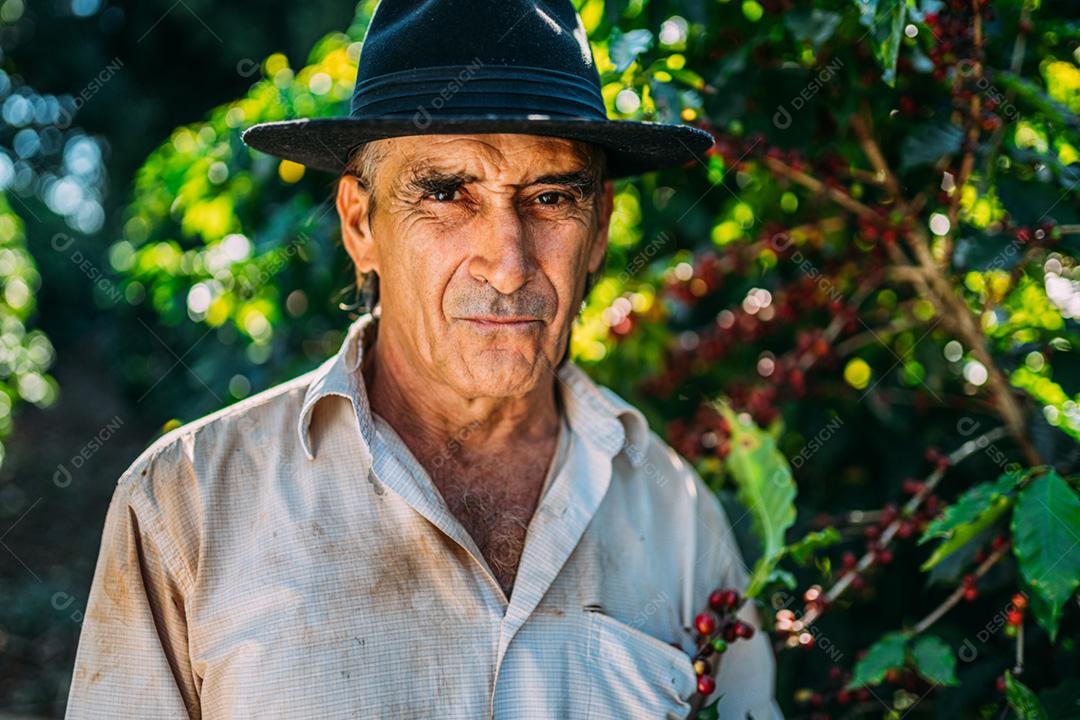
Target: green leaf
{"type": "Point", "coordinates": [802, 551]}
{"type": "Point", "coordinates": [884, 655]}
{"type": "Point", "coordinates": [885, 21]}
{"type": "Point", "coordinates": [970, 506]}
{"type": "Point", "coordinates": [956, 564]}
{"type": "Point", "coordinates": [1032, 202]}
{"type": "Point", "coordinates": [962, 534]}
{"type": "Point", "coordinates": [928, 143]}
{"type": "Point", "coordinates": [812, 24]}
{"type": "Point", "coordinates": [1038, 607]}
{"type": "Point", "coordinates": [764, 486]}
{"type": "Point", "coordinates": [689, 77]}
{"type": "Point", "coordinates": [624, 48]}
{"type": "Point", "coordinates": [1022, 700]}
{"type": "Point", "coordinates": [1046, 541]}
{"type": "Point", "coordinates": [1030, 96]}
{"type": "Point", "coordinates": [934, 660]}
{"type": "Point", "coordinates": [782, 577]}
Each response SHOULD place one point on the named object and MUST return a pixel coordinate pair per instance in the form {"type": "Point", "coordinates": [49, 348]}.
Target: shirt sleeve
{"type": "Point", "coordinates": [132, 660]}
{"type": "Point", "coordinates": [745, 682]}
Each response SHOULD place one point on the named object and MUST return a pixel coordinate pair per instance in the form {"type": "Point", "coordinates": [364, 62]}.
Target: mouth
{"type": "Point", "coordinates": [496, 323]}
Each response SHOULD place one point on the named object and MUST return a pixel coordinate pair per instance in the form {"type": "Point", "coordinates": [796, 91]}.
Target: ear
{"type": "Point", "coordinates": [604, 208]}
{"type": "Point", "coordinates": [354, 209]}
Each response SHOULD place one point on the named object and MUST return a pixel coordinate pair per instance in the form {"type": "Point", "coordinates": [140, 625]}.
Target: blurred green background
{"type": "Point", "coordinates": [875, 265]}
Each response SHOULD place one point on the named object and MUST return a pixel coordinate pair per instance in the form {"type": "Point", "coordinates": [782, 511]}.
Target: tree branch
{"type": "Point", "coordinates": [957, 594]}
{"type": "Point", "coordinates": [931, 482]}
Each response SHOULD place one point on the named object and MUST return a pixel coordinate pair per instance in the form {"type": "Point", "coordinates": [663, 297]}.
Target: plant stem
{"type": "Point", "coordinates": [838, 196]}
{"type": "Point", "coordinates": [956, 595]}
{"type": "Point", "coordinates": [929, 275]}
{"type": "Point", "coordinates": [972, 139]}
{"type": "Point", "coordinates": [1019, 667]}
{"type": "Point", "coordinates": [931, 482]}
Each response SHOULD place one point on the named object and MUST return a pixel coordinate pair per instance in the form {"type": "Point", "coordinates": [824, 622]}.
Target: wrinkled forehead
{"type": "Point", "coordinates": [504, 157]}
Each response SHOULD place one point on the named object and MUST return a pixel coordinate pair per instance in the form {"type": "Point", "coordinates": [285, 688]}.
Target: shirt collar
{"type": "Point", "coordinates": [601, 417]}
{"type": "Point", "coordinates": [594, 413]}
{"type": "Point", "coordinates": [339, 375]}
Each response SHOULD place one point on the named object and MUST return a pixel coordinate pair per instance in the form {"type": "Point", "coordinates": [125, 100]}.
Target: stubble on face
{"type": "Point", "coordinates": [484, 246]}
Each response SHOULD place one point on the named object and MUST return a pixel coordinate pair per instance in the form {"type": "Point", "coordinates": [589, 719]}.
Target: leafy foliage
{"type": "Point", "coordinates": [970, 506]}
{"type": "Point", "coordinates": [886, 654]}
{"type": "Point", "coordinates": [1046, 528]}
{"type": "Point", "coordinates": [25, 353]}
{"type": "Point", "coordinates": [931, 657]}
{"type": "Point", "coordinates": [1022, 700]}
{"type": "Point", "coordinates": [811, 544]}
{"type": "Point", "coordinates": [934, 660]}
{"type": "Point", "coordinates": [765, 487]}
{"type": "Point", "coordinates": [850, 222]}
{"type": "Point", "coordinates": [968, 517]}
{"type": "Point", "coordinates": [857, 313]}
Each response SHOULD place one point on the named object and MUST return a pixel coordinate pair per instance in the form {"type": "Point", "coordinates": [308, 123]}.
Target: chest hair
{"type": "Point", "coordinates": [494, 500]}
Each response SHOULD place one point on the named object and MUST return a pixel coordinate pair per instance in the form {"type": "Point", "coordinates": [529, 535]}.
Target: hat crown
{"type": "Point", "coordinates": [478, 66]}
{"type": "Point", "coordinates": [443, 56]}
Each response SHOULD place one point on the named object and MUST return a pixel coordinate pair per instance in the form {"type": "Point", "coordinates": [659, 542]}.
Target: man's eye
{"type": "Point", "coordinates": [443, 196]}
{"type": "Point", "coordinates": [552, 198]}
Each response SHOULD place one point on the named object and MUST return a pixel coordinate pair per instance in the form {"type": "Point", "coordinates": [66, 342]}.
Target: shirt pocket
{"type": "Point", "coordinates": [635, 675]}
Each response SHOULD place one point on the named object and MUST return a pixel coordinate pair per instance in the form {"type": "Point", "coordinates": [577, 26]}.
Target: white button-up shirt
{"type": "Point", "coordinates": [288, 557]}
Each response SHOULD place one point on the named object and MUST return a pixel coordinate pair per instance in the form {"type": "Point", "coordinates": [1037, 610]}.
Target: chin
{"type": "Point", "coordinates": [498, 373]}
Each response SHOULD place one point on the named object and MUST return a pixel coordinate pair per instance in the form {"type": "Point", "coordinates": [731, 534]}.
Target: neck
{"type": "Point", "coordinates": [434, 420]}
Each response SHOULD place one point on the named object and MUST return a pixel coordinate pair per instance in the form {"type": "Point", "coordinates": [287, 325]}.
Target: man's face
{"type": "Point", "coordinates": [482, 244]}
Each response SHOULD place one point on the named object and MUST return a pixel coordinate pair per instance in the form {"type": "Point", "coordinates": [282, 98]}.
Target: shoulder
{"type": "Point", "coordinates": [196, 443]}
{"type": "Point", "coordinates": [179, 478]}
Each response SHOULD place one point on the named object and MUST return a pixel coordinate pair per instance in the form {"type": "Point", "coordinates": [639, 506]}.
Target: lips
{"type": "Point", "coordinates": [500, 320]}
{"type": "Point", "coordinates": [494, 324]}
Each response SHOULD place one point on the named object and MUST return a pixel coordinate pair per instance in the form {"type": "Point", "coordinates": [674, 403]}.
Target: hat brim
{"type": "Point", "coordinates": [633, 147]}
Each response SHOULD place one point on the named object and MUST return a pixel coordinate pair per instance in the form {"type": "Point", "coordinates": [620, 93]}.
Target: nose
{"type": "Point", "coordinates": [502, 254]}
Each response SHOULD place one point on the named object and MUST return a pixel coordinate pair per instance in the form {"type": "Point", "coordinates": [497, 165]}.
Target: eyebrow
{"type": "Point", "coordinates": [581, 182]}
{"type": "Point", "coordinates": [425, 180]}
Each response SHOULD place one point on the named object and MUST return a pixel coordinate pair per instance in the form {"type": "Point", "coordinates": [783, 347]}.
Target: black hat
{"type": "Point", "coordinates": [478, 66]}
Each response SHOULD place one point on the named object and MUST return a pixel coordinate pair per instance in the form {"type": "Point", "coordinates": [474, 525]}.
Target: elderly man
{"type": "Point", "coordinates": [447, 519]}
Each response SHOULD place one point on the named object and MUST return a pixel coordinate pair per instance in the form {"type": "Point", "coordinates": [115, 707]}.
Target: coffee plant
{"type": "Point", "coordinates": [857, 315]}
